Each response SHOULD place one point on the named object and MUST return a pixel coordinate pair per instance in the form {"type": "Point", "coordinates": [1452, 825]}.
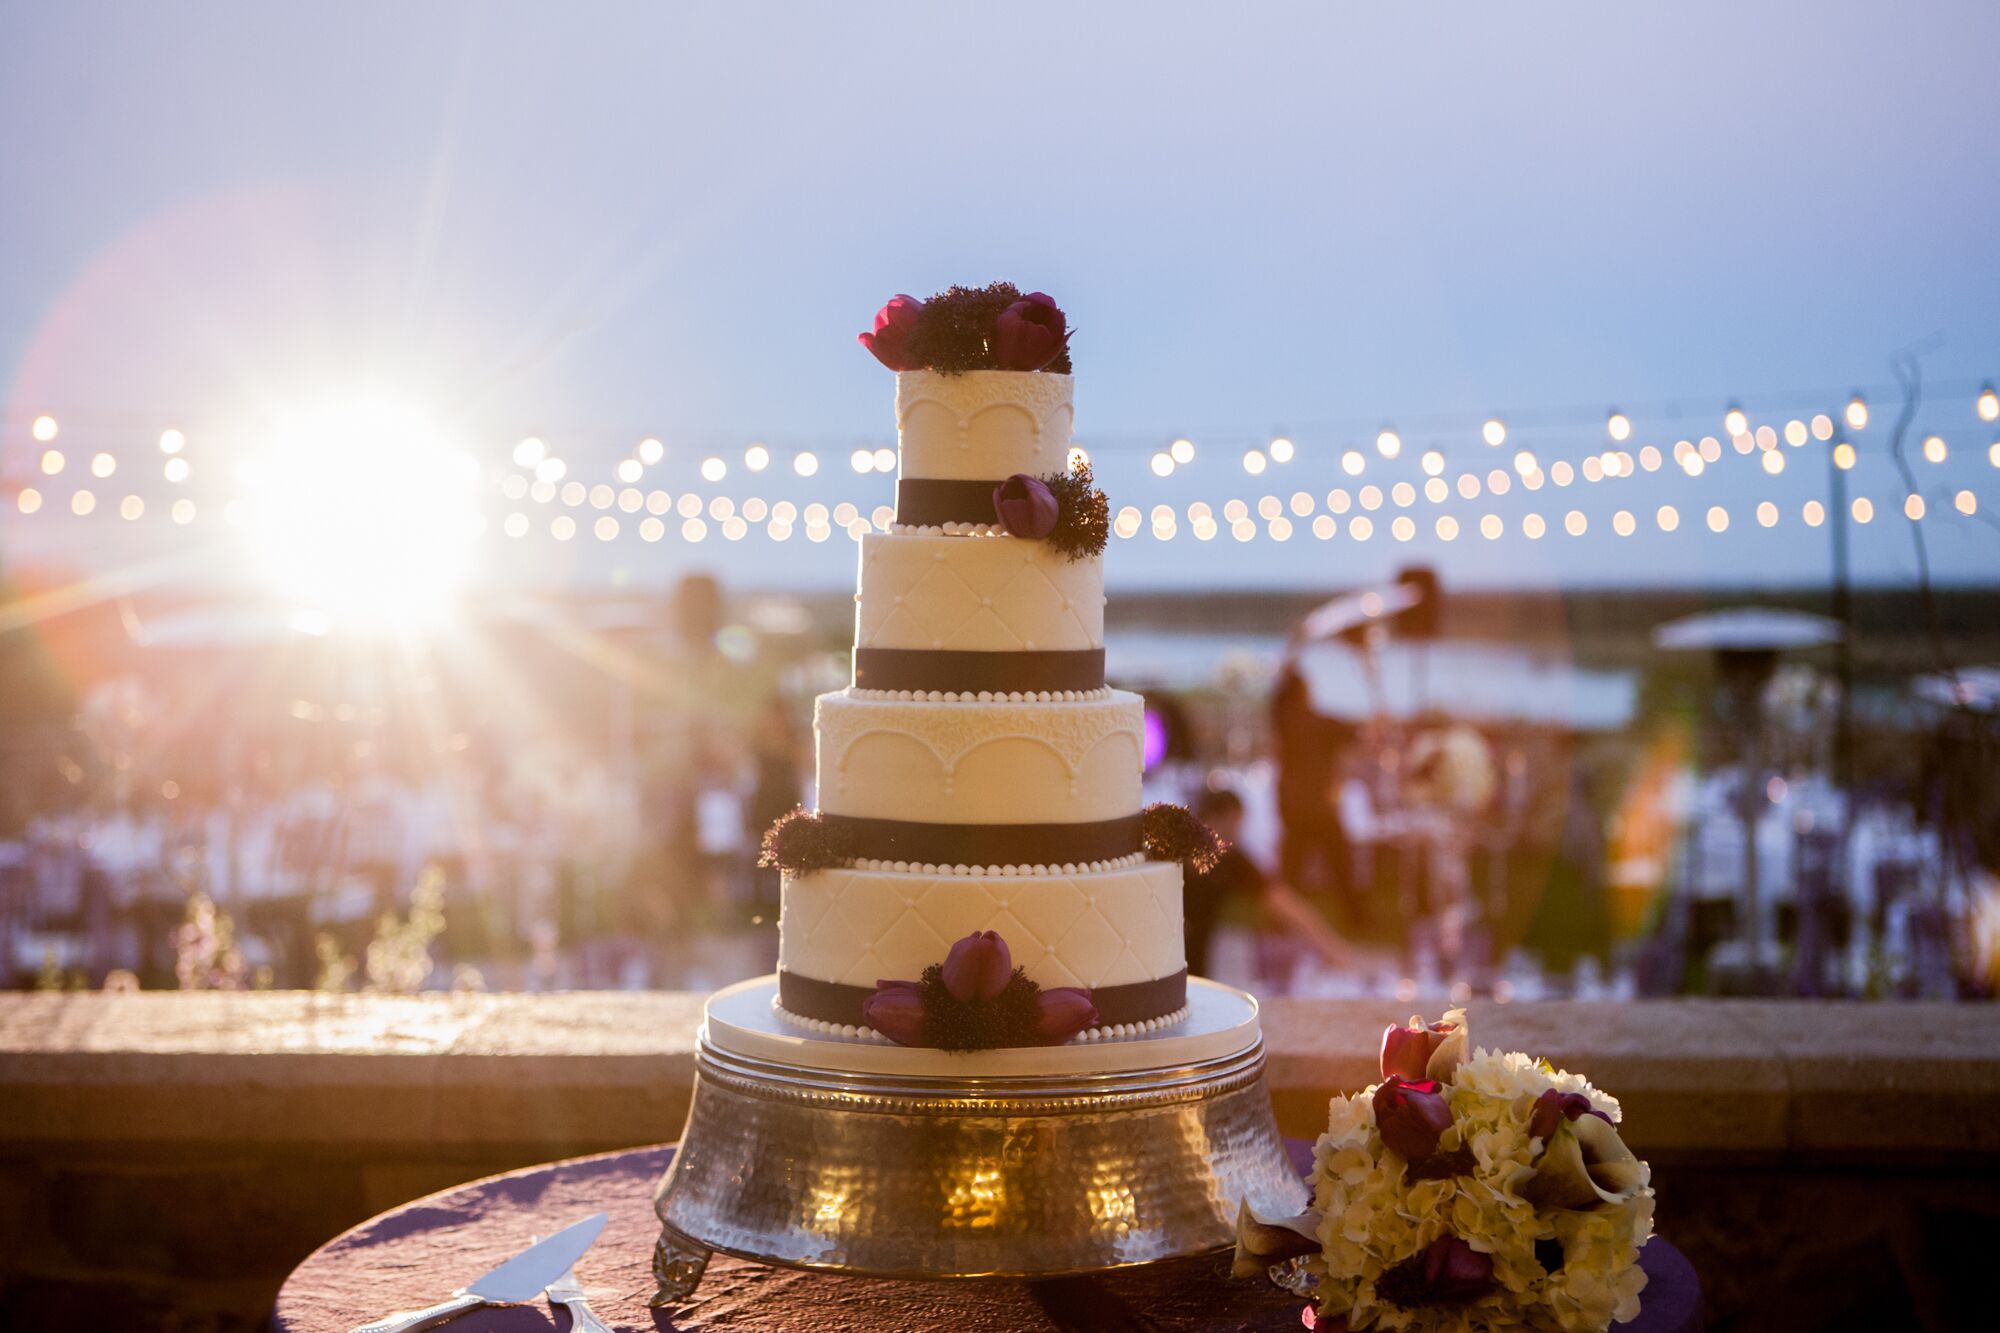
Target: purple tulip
{"type": "Point", "coordinates": [1026, 507]}
{"type": "Point", "coordinates": [1061, 1012]}
{"type": "Point", "coordinates": [1552, 1108]}
{"type": "Point", "coordinates": [895, 325]}
{"type": "Point", "coordinates": [896, 1010]}
{"type": "Point", "coordinates": [978, 967]}
{"type": "Point", "coordinates": [1029, 333]}
{"type": "Point", "coordinates": [1455, 1273]}
{"type": "Point", "coordinates": [1411, 1116]}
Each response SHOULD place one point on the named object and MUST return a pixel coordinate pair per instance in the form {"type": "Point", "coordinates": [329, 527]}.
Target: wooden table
{"type": "Point", "coordinates": [416, 1254]}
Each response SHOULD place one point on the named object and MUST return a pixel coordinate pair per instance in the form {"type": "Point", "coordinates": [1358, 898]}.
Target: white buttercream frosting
{"type": "Point", "coordinates": [983, 424]}
{"type": "Point", "coordinates": [937, 591]}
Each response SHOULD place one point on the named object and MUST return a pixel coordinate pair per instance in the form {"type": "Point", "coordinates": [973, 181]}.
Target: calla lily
{"type": "Point", "coordinates": [895, 325]}
{"type": "Point", "coordinates": [1552, 1108]}
{"type": "Point", "coordinates": [1585, 1164]}
{"type": "Point", "coordinates": [1411, 1116]}
{"type": "Point", "coordinates": [1061, 1012]}
{"type": "Point", "coordinates": [1026, 507]}
{"type": "Point", "coordinates": [978, 967]}
{"type": "Point", "coordinates": [1262, 1243]}
{"type": "Point", "coordinates": [896, 1010]}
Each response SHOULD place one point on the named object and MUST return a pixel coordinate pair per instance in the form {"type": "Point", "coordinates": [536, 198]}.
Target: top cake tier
{"type": "Point", "coordinates": [962, 435]}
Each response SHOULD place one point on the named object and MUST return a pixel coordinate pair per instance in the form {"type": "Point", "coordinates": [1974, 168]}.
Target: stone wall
{"type": "Point", "coordinates": [165, 1159]}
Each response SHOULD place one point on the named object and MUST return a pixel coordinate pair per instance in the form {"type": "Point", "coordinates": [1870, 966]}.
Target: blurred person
{"type": "Point", "coordinates": [1287, 922]}
{"type": "Point", "coordinates": [1314, 854]}
{"type": "Point", "coordinates": [775, 790]}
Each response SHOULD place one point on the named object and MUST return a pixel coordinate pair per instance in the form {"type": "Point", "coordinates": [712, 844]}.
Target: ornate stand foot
{"type": "Point", "coordinates": [678, 1264]}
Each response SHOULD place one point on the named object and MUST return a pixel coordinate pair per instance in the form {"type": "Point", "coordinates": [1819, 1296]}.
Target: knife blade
{"type": "Point", "coordinates": [519, 1280]}
{"type": "Point", "coordinates": [527, 1274]}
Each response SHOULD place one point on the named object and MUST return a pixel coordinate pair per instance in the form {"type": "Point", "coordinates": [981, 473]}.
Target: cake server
{"type": "Point", "coordinates": [522, 1278]}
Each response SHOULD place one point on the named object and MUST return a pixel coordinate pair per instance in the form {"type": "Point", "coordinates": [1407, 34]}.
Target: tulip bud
{"type": "Point", "coordinates": [896, 1010]}
{"type": "Point", "coordinates": [978, 967]}
{"type": "Point", "coordinates": [1411, 1116]}
{"type": "Point", "coordinates": [1026, 507]}
{"type": "Point", "coordinates": [1424, 1050]}
{"type": "Point", "coordinates": [1061, 1012]}
{"type": "Point", "coordinates": [1553, 1107]}
{"type": "Point", "coordinates": [895, 326]}
{"type": "Point", "coordinates": [1455, 1273]}
{"type": "Point", "coordinates": [1029, 333]}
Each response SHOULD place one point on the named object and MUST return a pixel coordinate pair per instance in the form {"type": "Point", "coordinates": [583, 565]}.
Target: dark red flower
{"type": "Point", "coordinates": [1406, 1051]}
{"type": "Point", "coordinates": [1026, 507]}
{"type": "Point", "coordinates": [1029, 333]}
{"type": "Point", "coordinates": [896, 1010]}
{"type": "Point", "coordinates": [895, 325]}
{"type": "Point", "coordinates": [1061, 1012]}
{"type": "Point", "coordinates": [1553, 1107]}
{"type": "Point", "coordinates": [1411, 1116]}
{"type": "Point", "coordinates": [978, 967]}
{"type": "Point", "coordinates": [1455, 1273]}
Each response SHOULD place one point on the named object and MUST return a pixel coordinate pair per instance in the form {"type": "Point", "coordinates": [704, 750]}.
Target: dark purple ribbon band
{"type": "Point", "coordinates": [946, 669]}
{"type": "Point", "coordinates": [932, 502]}
{"type": "Point", "coordinates": [836, 1002]}
{"type": "Point", "coordinates": [987, 844]}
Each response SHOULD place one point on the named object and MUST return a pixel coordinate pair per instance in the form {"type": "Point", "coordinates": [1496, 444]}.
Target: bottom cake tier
{"type": "Point", "coordinates": [1114, 929]}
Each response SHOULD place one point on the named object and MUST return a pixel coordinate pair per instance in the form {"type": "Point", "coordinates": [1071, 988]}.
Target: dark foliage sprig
{"type": "Point", "coordinates": [1442, 1165]}
{"type": "Point", "coordinates": [1083, 515]}
{"type": "Point", "coordinates": [953, 1024]}
{"type": "Point", "coordinates": [1173, 833]}
{"type": "Point", "coordinates": [955, 329]}
{"type": "Point", "coordinates": [801, 842]}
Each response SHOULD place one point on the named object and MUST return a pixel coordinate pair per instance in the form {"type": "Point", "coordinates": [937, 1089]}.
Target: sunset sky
{"type": "Point", "coordinates": [603, 223]}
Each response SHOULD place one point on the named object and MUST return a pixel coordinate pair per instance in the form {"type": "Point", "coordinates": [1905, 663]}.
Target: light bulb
{"type": "Point", "coordinates": [1857, 413]}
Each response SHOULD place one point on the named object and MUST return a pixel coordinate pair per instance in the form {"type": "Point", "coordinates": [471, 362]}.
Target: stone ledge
{"type": "Point", "coordinates": [583, 1071]}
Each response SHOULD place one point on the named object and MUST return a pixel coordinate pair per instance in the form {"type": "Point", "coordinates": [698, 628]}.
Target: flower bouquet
{"type": "Point", "coordinates": [1469, 1191]}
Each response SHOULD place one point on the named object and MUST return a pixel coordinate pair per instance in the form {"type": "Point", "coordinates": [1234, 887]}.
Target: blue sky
{"type": "Point", "coordinates": [594, 224]}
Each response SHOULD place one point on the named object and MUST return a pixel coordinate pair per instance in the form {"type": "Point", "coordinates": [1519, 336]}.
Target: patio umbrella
{"type": "Point", "coordinates": [1747, 641]}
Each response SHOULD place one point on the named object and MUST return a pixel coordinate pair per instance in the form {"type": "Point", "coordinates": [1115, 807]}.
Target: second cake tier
{"type": "Point", "coordinates": [1115, 931]}
{"type": "Point", "coordinates": [968, 783]}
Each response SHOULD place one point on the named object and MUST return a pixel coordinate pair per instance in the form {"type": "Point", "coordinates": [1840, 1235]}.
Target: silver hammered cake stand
{"type": "Point", "coordinates": [852, 1156]}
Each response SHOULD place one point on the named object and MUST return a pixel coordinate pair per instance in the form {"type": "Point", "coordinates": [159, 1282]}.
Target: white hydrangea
{"type": "Point", "coordinates": [1373, 1218]}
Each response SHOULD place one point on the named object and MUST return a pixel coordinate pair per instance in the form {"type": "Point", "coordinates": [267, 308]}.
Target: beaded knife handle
{"type": "Point", "coordinates": [408, 1321]}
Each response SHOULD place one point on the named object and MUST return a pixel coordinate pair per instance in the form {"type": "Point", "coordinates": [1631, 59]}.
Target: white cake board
{"type": "Point", "coordinates": [1220, 1022]}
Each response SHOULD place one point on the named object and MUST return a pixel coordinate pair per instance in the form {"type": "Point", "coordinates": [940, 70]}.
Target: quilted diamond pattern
{"type": "Point", "coordinates": [975, 594]}
{"type": "Point", "coordinates": [1100, 929]}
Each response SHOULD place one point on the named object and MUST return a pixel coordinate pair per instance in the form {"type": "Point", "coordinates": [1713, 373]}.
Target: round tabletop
{"type": "Point", "coordinates": [416, 1254]}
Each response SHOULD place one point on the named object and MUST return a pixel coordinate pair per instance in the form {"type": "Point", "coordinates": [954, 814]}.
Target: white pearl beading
{"type": "Point", "coordinates": [1000, 872]}
{"type": "Point", "coordinates": [948, 530]}
{"type": "Point", "coordinates": [1127, 1031]}
{"type": "Point", "coordinates": [852, 1032]}
{"type": "Point", "coordinates": [983, 696]}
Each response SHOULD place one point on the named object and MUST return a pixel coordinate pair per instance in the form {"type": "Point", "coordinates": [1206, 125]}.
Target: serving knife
{"type": "Point", "coordinates": [522, 1278]}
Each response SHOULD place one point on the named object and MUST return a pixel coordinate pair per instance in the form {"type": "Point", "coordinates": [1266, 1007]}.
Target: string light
{"type": "Point", "coordinates": [1183, 450]}
{"type": "Point", "coordinates": [1934, 449]}
{"type": "Point", "coordinates": [1993, 453]}
{"type": "Point", "coordinates": [863, 461]}
{"type": "Point", "coordinates": [1814, 513]}
{"type": "Point", "coordinates": [1324, 527]}
{"type": "Point", "coordinates": [1561, 473]}
{"type": "Point", "coordinates": [1533, 480]}
{"type": "Point", "coordinates": [1795, 432]}
{"type": "Point", "coordinates": [183, 512]}
{"type": "Point", "coordinates": [542, 492]}
{"type": "Point", "coordinates": [1623, 523]}
{"type": "Point", "coordinates": [651, 529]}
{"type": "Point", "coordinates": [131, 508]}
{"type": "Point", "coordinates": [651, 451]}
{"type": "Point", "coordinates": [1370, 497]}
{"type": "Point", "coordinates": [1402, 529]}
{"type": "Point", "coordinates": [1524, 463]}
{"type": "Point", "coordinates": [1163, 464]}
{"type": "Point", "coordinates": [1388, 444]}
{"type": "Point", "coordinates": [1078, 457]}
{"type": "Point", "coordinates": [1857, 412]}
{"type": "Point", "coordinates": [805, 463]}
{"type": "Point", "coordinates": [1352, 462]}
{"type": "Point", "coordinates": [1235, 511]}
{"type": "Point", "coordinates": [1447, 528]}
{"type": "Point", "coordinates": [103, 465]}
{"type": "Point", "coordinates": [1468, 486]}
{"type": "Point", "coordinates": [574, 493]}
{"type": "Point", "coordinates": [756, 458]}
{"type": "Point", "coordinates": [52, 462]}
{"type": "Point", "coordinates": [563, 528]}
{"type": "Point", "coordinates": [1734, 422]}
{"type": "Point", "coordinates": [1532, 527]}
{"type": "Point", "coordinates": [1718, 519]}
{"type": "Point", "coordinates": [1668, 518]}
{"type": "Point", "coordinates": [885, 459]}
{"type": "Point", "coordinates": [29, 500]}
{"type": "Point", "coordinates": [689, 506]}
{"type": "Point", "coordinates": [527, 453]}
{"type": "Point", "coordinates": [1362, 528]}
{"type": "Point", "coordinates": [1302, 503]}
{"type": "Point", "coordinates": [1913, 507]}
{"type": "Point", "coordinates": [602, 496]}
{"type": "Point", "coordinates": [630, 470]}
{"type": "Point", "coordinates": [1498, 482]}
{"type": "Point", "coordinates": [1619, 427]}
{"type": "Point", "coordinates": [1436, 491]}
{"type": "Point", "coordinates": [1575, 523]}
{"type": "Point", "coordinates": [1403, 495]}
{"type": "Point", "coordinates": [1253, 462]}
{"type": "Point", "coordinates": [1863, 509]}
{"type": "Point", "coordinates": [1988, 403]}
{"type": "Point", "coordinates": [1965, 502]}
{"type": "Point", "coordinates": [631, 499]}
{"type": "Point", "coordinates": [695, 530]}
{"type": "Point", "coordinates": [1338, 500]}
{"type": "Point", "coordinates": [515, 525]}
{"type": "Point", "coordinates": [1494, 432]}
{"type": "Point", "coordinates": [1822, 426]}
{"type": "Point", "coordinates": [734, 529]}
{"type": "Point", "coordinates": [722, 507]}
{"type": "Point", "coordinates": [550, 470]}
{"type": "Point", "coordinates": [1281, 529]}
{"type": "Point", "coordinates": [45, 428]}
{"type": "Point", "coordinates": [1593, 470]}
{"type": "Point", "coordinates": [1243, 530]}
{"type": "Point", "coordinates": [1774, 463]}
{"type": "Point", "coordinates": [1767, 514]}
{"type": "Point", "coordinates": [1843, 456]}
{"type": "Point", "coordinates": [658, 502]}
{"type": "Point", "coordinates": [1281, 452]}
{"type": "Point", "coordinates": [177, 470]}
{"type": "Point", "coordinates": [1127, 522]}
{"type": "Point", "coordinates": [606, 528]}
{"type": "Point", "coordinates": [172, 441]}
{"type": "Point", "coordinates": [1711, 449]}
{"type": "Point", "coordinates": [1433, 463]}
{"type": "Point", "coordinates": [1490, 527]}
{"type": "Point", "coordinates": [1649, 458]}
